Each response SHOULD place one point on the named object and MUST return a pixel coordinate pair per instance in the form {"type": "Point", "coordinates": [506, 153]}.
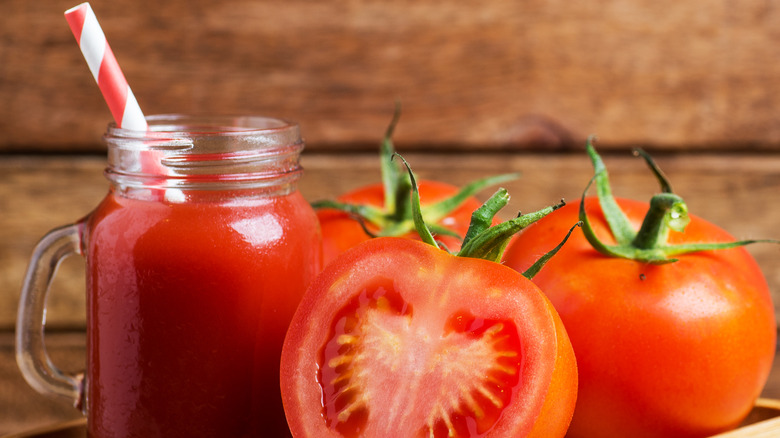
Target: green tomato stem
{"type": "Point", "coordinates": [539, 264]}
{"type": "Point", "coordinates": [490, 243]}
{"type": "Point", "coordinates": [438, 210]}
{"type": "Point", "coordinates": [482, 218]}
{"type": "Point", "coordinates": [617, 220]}
{"type": "Point", "coordinates": [666, 187]}
{"type": "Point", "coordinates": [389, 171]}
{"type": "Point", "coordinates": [395, 218]}
{"type": "Point", "coordinates": [366, 212]}
{"type": "Point", "coordinates": [667, 211]}
{"type": "Point", "coordinates": [419, 222]}
{"type": "Point", "coordinates": [483, 239]}
{"type": "Point", "coordinates": [649, 244]}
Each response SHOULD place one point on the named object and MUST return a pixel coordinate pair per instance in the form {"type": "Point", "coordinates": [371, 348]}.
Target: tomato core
{"type": "Point", "coordinates": [460, 373]}
{"type": "Point", "coordinates": [343, 407]}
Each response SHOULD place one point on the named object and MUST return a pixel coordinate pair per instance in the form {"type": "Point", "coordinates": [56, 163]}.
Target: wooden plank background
{"type": "Point", "coordinates": [471, 74]}
{"type": "Point", "coordinates": [486, 86]}
{"type": "Point", "coordinates": [44, 192]}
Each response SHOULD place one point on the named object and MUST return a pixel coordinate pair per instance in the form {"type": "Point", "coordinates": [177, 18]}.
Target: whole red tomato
{"type": "Point", "coordinates": [398, 338]}
{"type": "Point", "coordinates": [384, 209]}
{"type": "Point", "coordinates": [664, 348]}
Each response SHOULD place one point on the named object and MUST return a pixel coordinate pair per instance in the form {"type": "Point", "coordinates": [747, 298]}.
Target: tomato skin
{"type": "Point", "coordinates": [340, 231]}
{"type": "Point", "coordinates": [436, 285]}
{"type": "Point", "coordinates": [679, 349]}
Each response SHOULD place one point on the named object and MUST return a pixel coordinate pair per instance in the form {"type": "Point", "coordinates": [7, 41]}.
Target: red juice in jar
{"type": "Point", "coordinates": [180, 294]}
{"type": "Point", "coordinates": [196, 261]}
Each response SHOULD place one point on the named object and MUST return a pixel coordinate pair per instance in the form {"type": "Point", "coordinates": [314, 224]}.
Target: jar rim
{"type": "Point", "coordinates": [205, 152]}
{"type": "Point", "coordinates": [177, 125]}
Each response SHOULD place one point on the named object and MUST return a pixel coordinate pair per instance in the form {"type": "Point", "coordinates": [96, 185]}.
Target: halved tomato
{"type": "Point", "coordinates": [397, 338]}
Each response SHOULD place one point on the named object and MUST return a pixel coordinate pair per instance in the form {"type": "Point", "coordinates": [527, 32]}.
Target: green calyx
{"type": "Point", "coordinates": [649, 244]}
{"type": "Point", "coordinates": [484, 240]}
{"type": "Point", "coordinates": [394, 218]}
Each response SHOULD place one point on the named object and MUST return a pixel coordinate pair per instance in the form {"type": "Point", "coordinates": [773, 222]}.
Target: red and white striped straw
{"type": "Point", "coordinates": [104, 67]}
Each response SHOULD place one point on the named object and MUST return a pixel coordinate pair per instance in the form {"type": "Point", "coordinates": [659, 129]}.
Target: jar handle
{"type": "Point", "coordinates": [31, 356]}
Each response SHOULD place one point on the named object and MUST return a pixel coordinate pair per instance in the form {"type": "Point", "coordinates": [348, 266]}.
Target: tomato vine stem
{"type": "Point", "coordinates": [483, 239]}
{"type": "Point", "coordinates": [667, 211]}
{"type": "Point", "coordinates": [395, 217]}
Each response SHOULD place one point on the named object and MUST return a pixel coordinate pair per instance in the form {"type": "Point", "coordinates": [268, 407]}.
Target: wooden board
{"type": "Point", "coordinates": [38, 193]}
{"type": "Point", "coordinates": [487, 74]}
{"type": "Point", "coordinates": [762, 422]}
{"type": "Point", "coordinates": [766, 425]}
{"type": "Point", "coordinates": [486, 86]}
{"type": "Point", "coordinates": [736, 192]}
{"type": "Point", "coordinates": [24, 410]}
{"type": "Point", "coordinates": [21, 408]}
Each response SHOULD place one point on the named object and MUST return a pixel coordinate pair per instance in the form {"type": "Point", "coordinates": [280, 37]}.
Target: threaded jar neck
{"type": "Point", "coordinates": [185, 152]}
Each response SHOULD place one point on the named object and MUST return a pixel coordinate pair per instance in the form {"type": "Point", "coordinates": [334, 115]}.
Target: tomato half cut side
{"type": "Point", "coordinates": [399, 338]}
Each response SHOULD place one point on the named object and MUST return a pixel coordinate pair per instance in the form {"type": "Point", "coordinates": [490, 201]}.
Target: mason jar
{"type": "Point", "coordinates": [196, 260]}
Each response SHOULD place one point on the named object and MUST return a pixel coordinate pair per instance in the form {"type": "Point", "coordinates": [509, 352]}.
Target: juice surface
{"type": "Point", "coordinates": [188, 307]}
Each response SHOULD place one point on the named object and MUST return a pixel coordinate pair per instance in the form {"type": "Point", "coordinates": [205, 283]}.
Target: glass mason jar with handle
{"type": "Point", "coordinates": [195, 262]}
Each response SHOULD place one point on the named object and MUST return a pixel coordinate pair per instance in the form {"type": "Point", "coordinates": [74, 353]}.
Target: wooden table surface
{"type": "Point", "coordinates": [473, 75]}
{"type": "Point", "coordinates": [487, 87]}
{"type": "Point", "coordinates": [39, 193]}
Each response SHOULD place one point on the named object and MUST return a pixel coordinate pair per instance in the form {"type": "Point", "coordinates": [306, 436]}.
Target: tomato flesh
{"type": "Point", "coordinates": [424, 350]}
{"type": "Point", "coordinates": [473, 362]}
{"type": "Point", "coordinates": [344, 408]}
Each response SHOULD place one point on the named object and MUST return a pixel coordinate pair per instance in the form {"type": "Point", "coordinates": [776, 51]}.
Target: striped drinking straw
{"type": "Point", "coordinates": [104, 67]}
{"type": "Point", "coordinates": [112, 83]}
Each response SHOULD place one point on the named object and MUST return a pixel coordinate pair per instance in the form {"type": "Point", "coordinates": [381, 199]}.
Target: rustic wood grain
{"type": "Point", "coordinates": [39, 193]}
{"type": "Point", "coordinates": [486, 86]}
{"type": "Point", "coordinates": [36, 195]}
{"type": "Point", "coordinates": [736, 192]}
{"type": "Point", "coordinates": [488, 74]}
{"type": "Point", "coordinates": [23, 409]}
{"type": "Point", "coordinates": [767, 427]}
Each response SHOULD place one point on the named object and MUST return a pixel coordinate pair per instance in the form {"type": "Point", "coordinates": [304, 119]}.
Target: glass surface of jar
{"type": "Point", "coordinates": [196, 260]}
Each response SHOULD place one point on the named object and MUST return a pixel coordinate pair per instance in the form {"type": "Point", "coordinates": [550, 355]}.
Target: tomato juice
{"type": "Point", "coordinates": [188, 304]}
